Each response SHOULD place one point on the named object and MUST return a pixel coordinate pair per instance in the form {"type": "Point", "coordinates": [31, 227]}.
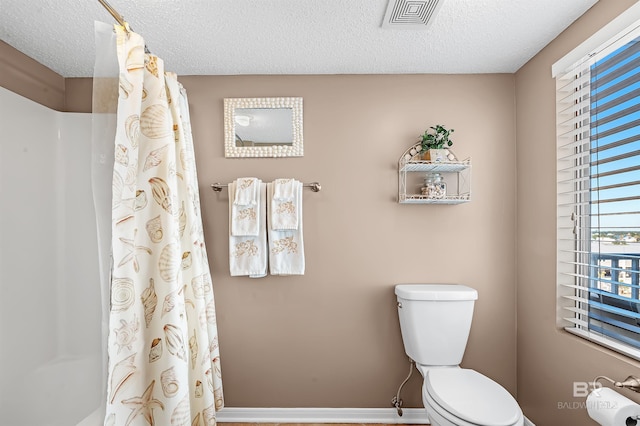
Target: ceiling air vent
{"type": "Point", "coordinates": [410, 14]}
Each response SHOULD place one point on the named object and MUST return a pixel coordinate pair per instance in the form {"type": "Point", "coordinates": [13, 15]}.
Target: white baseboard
{"type": "Point", "coordinates": [412, 416]}
{"type": "Point", "coordinates": [321, 415]}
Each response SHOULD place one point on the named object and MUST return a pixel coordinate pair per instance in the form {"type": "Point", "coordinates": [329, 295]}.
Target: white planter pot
{"type": "Point", "coordinates": [436, 155]}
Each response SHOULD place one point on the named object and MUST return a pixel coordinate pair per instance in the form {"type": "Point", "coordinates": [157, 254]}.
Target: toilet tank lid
{"type": "Point", "coordinates": [435, 292]}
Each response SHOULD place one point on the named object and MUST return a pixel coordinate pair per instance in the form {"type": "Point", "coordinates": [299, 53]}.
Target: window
{"type": "Point", "coordinates": [598, 225]}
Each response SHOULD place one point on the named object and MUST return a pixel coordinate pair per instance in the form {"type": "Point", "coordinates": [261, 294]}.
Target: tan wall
{"type": "Point", "coordinates": [26, 77]}
{"type": "Point", "coordinates": [78, 94]}
{"type": "Point", "coordinates": [331, 338]}
{"type": "Point", "coordinates": [550, 360]}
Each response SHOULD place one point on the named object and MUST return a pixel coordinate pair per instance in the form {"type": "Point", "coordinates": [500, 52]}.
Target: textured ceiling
{"type": "Point", "coordinates": [227, 37]}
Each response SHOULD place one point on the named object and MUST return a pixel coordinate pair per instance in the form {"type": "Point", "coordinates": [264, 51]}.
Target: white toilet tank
{"type": "Point", "coordinates": [435, 320]}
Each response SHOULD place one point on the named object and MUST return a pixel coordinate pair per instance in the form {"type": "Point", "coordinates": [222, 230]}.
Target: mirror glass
{"type": "Point", "coordinates": [263, 127]}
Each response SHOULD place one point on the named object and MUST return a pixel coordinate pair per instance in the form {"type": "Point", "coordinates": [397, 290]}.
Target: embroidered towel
{"type": "Point", "coordinates": [286, 246]}
{"type": "Point", "coordinates": [284, 189]}
{"type": "Point", "coordinates": [284, 204]}
{"type": "Point", "coordinates": [248, 254]}
{"type": "Point", "coordinates": [245, 207]}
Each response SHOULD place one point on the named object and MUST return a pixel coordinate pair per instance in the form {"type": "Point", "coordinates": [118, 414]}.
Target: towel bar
{"type": "Point", "coordinates": [315, 186]}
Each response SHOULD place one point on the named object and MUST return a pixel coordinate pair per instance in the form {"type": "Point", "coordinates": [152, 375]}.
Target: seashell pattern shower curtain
{"type": "Point", "coordinates": [164, 366]}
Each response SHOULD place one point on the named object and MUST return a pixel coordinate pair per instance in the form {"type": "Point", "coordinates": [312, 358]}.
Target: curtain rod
{"type": "Point", "coordinates": [113, 12]}
{"type": "Point", "coordinates": [315, 186]}
{"type": "Point", "coordinates": [119, 19]}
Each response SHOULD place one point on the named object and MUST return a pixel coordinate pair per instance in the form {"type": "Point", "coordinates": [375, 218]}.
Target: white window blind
{"type": "Point", "coordinates": [598, 225]}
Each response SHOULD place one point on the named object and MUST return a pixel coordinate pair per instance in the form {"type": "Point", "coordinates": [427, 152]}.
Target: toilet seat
{"type": "Point", "coordinates": [472, 397]}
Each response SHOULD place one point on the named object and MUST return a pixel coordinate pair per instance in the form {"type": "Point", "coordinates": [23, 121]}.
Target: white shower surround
{"type": "Point", "coordinates": [50, 309]}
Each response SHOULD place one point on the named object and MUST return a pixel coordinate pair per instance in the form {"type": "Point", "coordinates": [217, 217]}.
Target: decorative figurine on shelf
{"type": "Point", "coordinates": [434, 142]}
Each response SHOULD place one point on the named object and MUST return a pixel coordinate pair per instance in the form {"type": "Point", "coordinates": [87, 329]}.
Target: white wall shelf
{"type": "Point", "coordinates": [412, 170]}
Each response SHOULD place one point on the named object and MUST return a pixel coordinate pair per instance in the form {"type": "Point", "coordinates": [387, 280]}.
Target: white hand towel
{"type": "Point", "coordinates": [284, 204]}
{"type": "Point", "coordinates": [246, 192]}
{"type": "Point", "coordinates": [245, 207]}
{"type": "Point", "coordinates": [248, 254]}
{"type": "Point", "coordinates": [286, 247]}
{"type": "Point", "coordinates": [284, 189]}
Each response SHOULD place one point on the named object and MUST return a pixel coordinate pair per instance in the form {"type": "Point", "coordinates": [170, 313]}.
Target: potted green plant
{"type": "Point", "coordinates": [434, 142]}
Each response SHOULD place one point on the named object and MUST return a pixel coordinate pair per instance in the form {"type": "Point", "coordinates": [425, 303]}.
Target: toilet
{"type": "Point", "coordinates": [435, 320]}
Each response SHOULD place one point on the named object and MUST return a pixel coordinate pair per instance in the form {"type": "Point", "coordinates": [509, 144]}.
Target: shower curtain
{"type": "Point", "coordinates": [164, 366]}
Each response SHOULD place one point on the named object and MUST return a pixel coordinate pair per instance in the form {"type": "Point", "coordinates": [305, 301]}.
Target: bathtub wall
{"type": "Point", "coordinates": [50, 308]}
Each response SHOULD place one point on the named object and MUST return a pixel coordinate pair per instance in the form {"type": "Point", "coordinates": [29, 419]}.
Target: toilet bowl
{"type": "Point", "coordinates": [464, 397]}
{"type": "Point", "coordinates": [435, 320]}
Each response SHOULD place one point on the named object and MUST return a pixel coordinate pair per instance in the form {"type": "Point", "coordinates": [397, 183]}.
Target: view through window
{"type": "Point", "coordinates": [614, 194]}
{"type": "Point", "coordinates": [598, 119]}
